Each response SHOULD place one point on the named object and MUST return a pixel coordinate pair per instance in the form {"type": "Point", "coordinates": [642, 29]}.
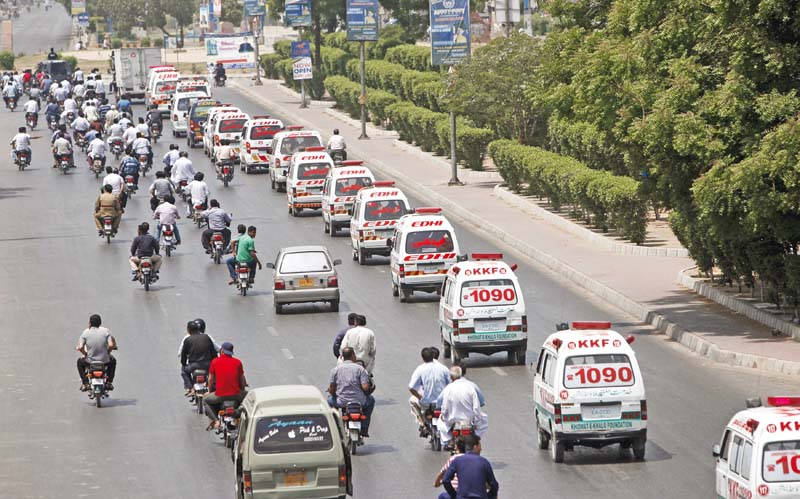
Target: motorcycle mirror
{"type": "Point", "coordinates": [270, 265]}
{"type": "Point", "coordinates": [337, 262]}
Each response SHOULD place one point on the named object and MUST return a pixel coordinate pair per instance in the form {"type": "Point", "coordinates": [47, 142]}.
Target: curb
{"type": "Point", "coordinates": [689, 340]}
{"type": "Point", "coordinates": [521, 202]}
{"type": "Point", "coordinates": [703, 287]}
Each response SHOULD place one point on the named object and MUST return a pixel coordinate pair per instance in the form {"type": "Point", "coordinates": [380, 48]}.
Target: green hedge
{"type": "Point", "coordinates": [471, 142]}
{"type": "Point", "coordinates": [413, 57]}
{"type": "Point", "coordinates": [283, 48]}
{"type": "Point", "coordinates": [7, 60]}
{"type": "Point", "coordinates": [334, 60]}
{"type": "Point", "coordinates": [606, 199]}
{"type": "Point", "coordinates": [346, 93]}
{"type": "Point", "coordinates": [268, 62]}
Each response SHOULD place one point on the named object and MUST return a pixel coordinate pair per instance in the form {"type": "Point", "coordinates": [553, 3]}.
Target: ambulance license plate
{"type": "Point", "coordinates": [305, 283]}
{"type": "Point", "coordinates": [432, 268]}
{"type": "Point", "coordinates": [295, 479]}
{"type": "Point", "coordinates": [490, 326]}
{"type": "Point", "coordinates": [606, 411]}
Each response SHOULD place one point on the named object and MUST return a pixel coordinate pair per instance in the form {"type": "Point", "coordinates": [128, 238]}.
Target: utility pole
{"type": "Point", "coordinates": [453, 158]}
{"type": "Point", "coordinates": [362, 99]}
{"type": "Point", "coordinates": [257, 32]}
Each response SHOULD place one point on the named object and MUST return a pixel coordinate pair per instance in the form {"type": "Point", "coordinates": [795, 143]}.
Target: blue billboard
{"type": "Point", "coordinates": [449, 31]}
{"type": "Point", "coordinates": [362, 20]}
{"type": "Point", "coordinates": [298, 13]}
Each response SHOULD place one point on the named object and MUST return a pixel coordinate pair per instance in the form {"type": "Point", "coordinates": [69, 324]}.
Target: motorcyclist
{"type": "Point", "coordinates": [160, 189]}
{"type": "Point", "coordinates": [124, 105]}
{"type": "Point", "coordinates": [130, 166]}
{"type": "Point", "coordinates": [226, 381]}
{"type": "Point", "coordinates": [107, 205]}
{"type": "Point", "coordinates": [52, 112]}
{"type": "Point", "coordinates": [80, 126]}
{"type": "Point", "coordinates": [155, 117]}
{"type": "Point", "coordinates": [9, 92]}
{"type": "Point", "coordinates": [362, 340]}
{"type": "Point", "coordinates": [35, 94]}
{"type": "Point", "coordinates": [111, 115]}
{"type": "Point", "coordinates": [60, 93]}
{"type": "Point", "coordinates": [61, 147]}
{"type": "Point", "coordinates": [21, 142]}
{"type": "Point", "coordinates": [199, 192]}
{"type": "Point", "coordinates": [218, 221]}
{"type": "Point", "coordinates": [349, 383]}
{"type": "Point", "coordinates": [32, 109]}
{"type": "Point", "coordinates": [144, 245]}
{"type": "Point", "coordinates": [124, 121]}
{"type": "Point", "coordinates": [142, 128]}
{"type": "Point", "coordinates": [201, 328]}
{"type": "Point", "coordinates": [141, 146]}
{"type": "Point", "coordinates": [167, 214]}
{"type": "Point", "coordinates": [197, 352]}
{"type": "Point", "coordinates": [103, 109]}
{"type": "Point", "coordinates": [129, 134]}
{"type": "Point", "coordinates": [246, 254]}
{"type": "Point", "coordinates": [96, 344]}
{"type": "Point", "coordinates": [182, 168]}
{"type": "Point", "coordinates": [219, 73]}
{"type": "Point", "coordinates": [225, 154]}
{"type": "Point", "coordinates": [71, 105]}
{"type": "Point", "coordinates": [352, 318]}
{"type": "Point", "coordinates": [77, 76]}
{"type": "Point", "coordinates": [170, 157]}
{"type": "Point", "coordinates": [91, 112]}
{"type": "Point", "coordinates": [97, 150]}
{"type": "Point", "coordinates": [425, 385]}
{"type": "Point", "coordinates": [337, 145]}
{"type": "Point", "coordinates": [460, 403]}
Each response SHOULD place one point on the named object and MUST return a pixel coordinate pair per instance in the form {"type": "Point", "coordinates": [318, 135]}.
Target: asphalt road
{"type": "Point", "coordinates": [147, 442]}
{"type": "Point", "coordinates": [37, 30]}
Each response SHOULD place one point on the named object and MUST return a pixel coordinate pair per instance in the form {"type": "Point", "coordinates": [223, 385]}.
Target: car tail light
{"type": "Point", "coordinates": [174, 117]}
{"type": "Point", "coordinates": [466, 330]}
{"type": "Point", "coordinates": [333, 282]}
{"type": "Point", "coordinates": [514, 327]}
{"type": "Point", "coordinates": [401, 270]}
{"type": "Point", "coordinates": [557, 413]}
{"type": "Point", "coordinates": [342, 475]}
{"type": "Point", "coordinates": [247, 147]}
{"type": "Point", "coordinates": [455, 327]}
{"type": "Point", "coordinates": [280, 284]}
{"type": "Point", "coordinates": [247, 482]}
{"type": "Point", "coordinates": [360, 235]}
{"type": "Point", "coordinates": [644, 410]}
{"type": "Point", "coordinates": [294, 192]}
{"type": "Point", "coordinates": [525, 323]}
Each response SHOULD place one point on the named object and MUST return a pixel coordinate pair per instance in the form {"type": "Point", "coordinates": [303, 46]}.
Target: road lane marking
{"type": "Point", "coordinates": [287, 353]}
{"type": "Point", "coordinates": [303, 379]}
{"type": "Point", "coordinates": [499, 371]}
{"type": "Point", "coordinates": [272, 331]}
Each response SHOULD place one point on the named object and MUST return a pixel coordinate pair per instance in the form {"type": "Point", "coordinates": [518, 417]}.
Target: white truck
{"type": "Point", "coordinates": [130, 68]}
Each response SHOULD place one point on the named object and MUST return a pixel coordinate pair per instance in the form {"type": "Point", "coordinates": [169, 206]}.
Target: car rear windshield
{"type": "Point", "coordinates": [284, 434]}
{"type": "Point", "coordinates": [312, 171]}
{"type": "Point", "coordinates": [304, 262]}
{"type": "Point", "coordinates": [350, 186]}
{"type": "Point", "coordinates": [184, 103]}
{"type": "Point", "coordinates": [262, 132]}
{"type": "Point", "coordinates": [165, 87]}
{"type": "Point", "coordinates": [231, 126]}
{"type": "Point", "coordinates": [201, 112]}
{"type": "Point", "coordinates": [389, 209]}
{"type": "Point", "coordinates": [597, 371]}
{"type": "Point", "coordinates": [291, 145]}
{"type": "Point", "coordinates": [782, 461]}
{"type": "Point", "coordinates": [488, 292]}
{"type": "Point", "coordinates": [429, 241]}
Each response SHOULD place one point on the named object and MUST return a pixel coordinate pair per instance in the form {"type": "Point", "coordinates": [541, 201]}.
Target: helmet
{"type": "Point", "coordinates": [201, 325]}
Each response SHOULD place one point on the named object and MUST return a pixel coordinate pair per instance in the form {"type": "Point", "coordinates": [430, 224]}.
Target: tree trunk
{"type": "Point", "coordinates": [180, 45]}
{"type": "Point", "coordinates": [317, 37]}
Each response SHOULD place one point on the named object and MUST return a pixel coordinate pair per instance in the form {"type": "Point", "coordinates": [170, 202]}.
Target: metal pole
{"type": "Point", "coordinates": [256, 32]}
{"type": "Point", "coordinates": [303, 94]}
{"type": "Point", "coordinates": [363, 97]}
{"type": "Point", "coordinates": [453, 159]}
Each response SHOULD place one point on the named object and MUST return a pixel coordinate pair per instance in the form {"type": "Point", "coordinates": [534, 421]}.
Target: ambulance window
{"type": "Point", "coordinates": [312, 171]}
{"type": "Point", "coordinates": [540, 362]}
{"type": "Point", "coordinates": [450, 293]}
{"type": "Point", "coordinates": [261, 132]}
{"type": "Point", "coordinates": [387, 209]}
{"type": "Point", "coordinates": [747, 456]}
{"type": "Point", "coordinates": [735, 454]}
{"type": "Point", "coordinates": [350, 186]}
{"type": "Point", "coordinates": [429, 241]}
{"type": "Point", "coordinates": [446, 290]}
{"type": "Point", "coordinates": [291, 145]}
{"type": "Point", "coordinates": [325, 186]}
{"type": "Point", "coordinates": [483, 292]}
{"type": "Point", "coordinates": [598, 371]}
{"type": "Point", "coordinates": [549, 368]}
{"type": "Point", "coordinates": [723, 453]}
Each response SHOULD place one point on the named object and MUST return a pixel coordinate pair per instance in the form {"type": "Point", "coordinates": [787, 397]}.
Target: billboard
{"type": "Point", "coordinates": [298, 13]}
{"type": "Point", "coordinates": [362, 20]}
{"type": "Point", "coordinates": [78, 7]}
{"type": "Point", "coordinates": [203, 23]}
{"type": "Point", "coordinates": [234, 50]}
{"type": "Point", "coordinates": [449, 31]}
{"type": "Point", "coordinates": [301, 54]}
{"type": "Point", "coordinates": [254, 8]}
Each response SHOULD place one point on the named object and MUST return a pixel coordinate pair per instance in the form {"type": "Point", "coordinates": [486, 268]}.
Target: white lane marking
{"type": "Point", "coordinates": [499, 371]}
{"type": "Point", "coordinates": [287, 353]}
{"type": "Point", "coordinates": [303, 379]}
{"type": "Point", "coordinates": [272, 331]}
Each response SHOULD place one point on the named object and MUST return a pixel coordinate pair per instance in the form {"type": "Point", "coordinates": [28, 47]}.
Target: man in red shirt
{"type": "Point", "coordinates": [227, 382]}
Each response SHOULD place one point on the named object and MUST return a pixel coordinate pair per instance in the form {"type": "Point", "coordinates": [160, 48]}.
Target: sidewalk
{"type": "Point", "coordinates": [644, 286]}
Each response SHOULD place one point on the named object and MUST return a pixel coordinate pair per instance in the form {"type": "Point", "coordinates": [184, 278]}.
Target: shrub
{"type": "Point", "coordinates": [398, 115]}
{"type": "Point", "coordinates": [471, 142]}
{"type": "Point", "coordinates": [389, 37]}
{"type": "Point", "coordinates": [283, 47]}
{"type": "Point", "coordinates": [411, 57]}
{"type": "Point", "coordinates": [7, 60]}
{"type": "Point", "coordinates": [335, 60]}
{"type": "Point", "coordinates": [347, 92]}
{"type": "Point", "coordinates": [268, 64]}
{"type": "Point", "coordinates": [377, 103]}
{"type": "Point", "coordinates": [144, 42]}
{"type": "Point", "coordinates": [72, 60]}
{"type": "Point", "coordinates": [158, 42]}
{"type": "Point", "coordinates": [116, 43]}
{"type": "Point", "coordinates": [428, 94]}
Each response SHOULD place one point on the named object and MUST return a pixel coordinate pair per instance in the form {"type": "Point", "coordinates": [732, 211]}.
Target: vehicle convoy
{"type": "Point", "coordinates": [423, 247]}
{"type": "Point", "coordinates": [759, 452]}
{"type": "Point", "coordinates": [130, 68]}
{"type": "Point", "coordinates": [257, 137]}
{"type": "Point", "coordinates": [215, 114]}
{"type": "Point", "coordinates": [227, 131]}
{"type": "Point", "coordinates": [304, 274]}
{"type": "Point", "coordinates": [339, 192]}
{"type": "Point", "coordinates": [482, 310]}
{"type": "Point", "coordinates": [304, 179]}
{"type": "Point", "coordinates": [375, 213]}
{"type": "Point", "coordinates": [284, 145]}
{"type": "Point", "coordinates": [588, 390]}
{"type": "Point", "coordinates": [196, 120]}
{"type": "Point", "coordinates": [291, 444]}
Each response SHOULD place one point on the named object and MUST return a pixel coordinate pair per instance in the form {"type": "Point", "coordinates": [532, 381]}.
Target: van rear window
{"type": "Point", "coordinates": [350, 186]}
{"type": "Point", "coordinates": [597, 371]}
{"type": "Point", "coordinates": [231, 126]}
{"type": "Point", "coordinates": [263, 132]}
{"type": "Point", "coordinates": [429, 241]}
{"type": "Point", "coordinates": [312, 171]}
{"type": "Point", "coordinates": [782, 461]}
{"type": "Point", "coordinates": [291, 145]}
{"type": "Point", "coordinates": [283, 434]}
{"type": "Point", "coordinates": [486, 292]}
{"type": "Point", "coordinates": [165, 87]}
{"type": "Point", "coordinates": [201, 112]}
{"type": "Point", "coordinates": [389, 209]}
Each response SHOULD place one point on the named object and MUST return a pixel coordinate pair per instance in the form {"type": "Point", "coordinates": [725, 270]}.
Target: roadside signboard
{"type": "Point", "coordinates": [78, 7]}
{"type": "Point", "coordinates": [449, 31]}
{"type": "Point", "coordinates": [301, 54]}
{"type": "Point", "coordinates": [83, 19]}
{"type": "Point", "coordinates": [254, 8]}
{"type": "Point", "coordinates": [298, 13]}
{"type": "Point", "coordinates": [362, 20]}
{"type": "Point", "coordinates": [233, 50]}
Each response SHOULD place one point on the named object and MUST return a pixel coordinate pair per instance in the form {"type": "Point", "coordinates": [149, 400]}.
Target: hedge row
{"type": "Point", "coordinates": [414, 57]}
{"type": "Point", "coordinates": [346, 93]}
{"type": "Point", "coordinates": [607, 200]}
{"type": "Point", "coordinates": [431, 132]}
{"type": "Point", "coordinates": [422, 88]}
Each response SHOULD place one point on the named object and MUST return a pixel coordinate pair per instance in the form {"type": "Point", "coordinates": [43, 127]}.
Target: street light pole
{"type": "Point", "coordinates": [257, 33]}
{"type": "Point", "coordinates": [453, 158]}
{"type": "Point", "coordinates": [362, 99]}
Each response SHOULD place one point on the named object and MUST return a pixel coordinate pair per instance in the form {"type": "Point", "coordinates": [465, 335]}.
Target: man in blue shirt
{"type": "Point", "coordinates": [475, 475]}
{"type": "Point", "coordinates": [337, 342]}
{"type": "Point", "coordinates": [426, 384]}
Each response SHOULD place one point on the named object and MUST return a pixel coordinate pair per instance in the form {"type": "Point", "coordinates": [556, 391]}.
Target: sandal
{"type": "Point", "coordinates": [214, 425]}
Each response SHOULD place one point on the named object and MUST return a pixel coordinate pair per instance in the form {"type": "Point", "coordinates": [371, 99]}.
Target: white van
{"type": "Point", "coordinates": [588, 390]}
{"type": "Point", "coordinates": [339, 193]}
{"type": "Point", "coordinates": [423, 248]}
{"type": "Point", "coordinates": [193, 84]}
{"type": "Point", "coordinates": [376, 211]}
{"type": "Point", "coordinates": [227, 131]}
{"type": "Point", "coordinates": [759, 453]}
{"type": "Point", "coordinates": [162, 89]}
{"type": "Point", "coordinates": [284, 145]}
{"type": "Point", "coordinates": [257, 137]}
{"type": "Point", "coordinates": [305, 177]}
{"type": "Point", "coordinates": [482, 310]}
{"type": "Point", "coordinates": [178, 116]}
{"type": "Point", "coordinates": [154, 71]}
{"type": "Point", "coordinates": [211, 121]}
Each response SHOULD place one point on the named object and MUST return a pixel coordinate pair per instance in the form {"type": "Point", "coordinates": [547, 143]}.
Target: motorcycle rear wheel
{"type": "Point", "coordinates": [147, 282]}
{"type": "Point", "coordinates": [98, 400]}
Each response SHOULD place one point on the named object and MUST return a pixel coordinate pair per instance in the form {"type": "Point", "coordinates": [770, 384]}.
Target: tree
{"type": "Point", "coordinates": [183, 12]}
{"type": "Point", "coordinates": [232, 12]}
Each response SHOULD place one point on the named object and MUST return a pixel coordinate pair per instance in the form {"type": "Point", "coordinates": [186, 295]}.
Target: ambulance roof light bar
{"type": "Point", "coordinates": [783, 401]}
{"type": "Point", "coordinates": [383, 183]}
{"type": "Point", "coordinates": [427, 210]}
{"type": "Point", "coordinates": [314, 149]}
{"type": "Point", "coordinates": [582, 325]}
{"type": "Point", "coordinates": [294, 127]}
{"type": "Point", "coordinates": [487, 256]}
{"type": "Point", "coordinates": [352, 162]}
{"type": "Point", "coordinates": [264, 117]}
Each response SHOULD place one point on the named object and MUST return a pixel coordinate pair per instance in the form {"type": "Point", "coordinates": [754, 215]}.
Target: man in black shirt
{"type": "Point", "coordinates": [197, 352]}
{"type": "Point", "coordinates": [144, 245]}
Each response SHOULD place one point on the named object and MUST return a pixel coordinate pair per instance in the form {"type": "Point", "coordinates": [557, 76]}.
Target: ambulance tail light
{"type": "Point", "coordinates": [591, 325]}
{"type": "Point", "coordinates": [174, 117]}
{"type": "Point", "coordinates": [557, 343]}
{"type": "Point", "coordinates": [401, 270]}
{"type": "Point", "coordinates": [557, 413]}
{"type": "Point", "coordinates": [342, 475]}
{"type": "Point", "coordinates": [333, 282]}
{"type": "Point", "coordinates": [643, 410]}
{"type": "Point", "coordinates": [294, 127]}
{"type": "Point", "coordinates": [216, 139]}
{"type": "Point", "coordinates": [427, 211]}
{"type": "Point", "coordinates": [247, 482]}
{"type": "Point", "coordinates": [455, 327]}
{"type": "Point", "coordinates": [466, 330]}
{"type": "Point", "coordinates": [383, 183]}
{"type": "Point", "coordinates": [247, 147]}
{"type": "Point", "coordinates": [487, 256]}
{"type": "Point", "coordinates": [630, 339]}
{"type": "Point", "coordinates": [315, 149]}
{"type": "Point", "coordinates": [360, 235]}
{"type": "Point", "coordinates": [783, 401]}
{"type": "Point", "coordinates": [524, 323]}
{"type": "Point", "coordinates": [280, 284]}
{"type": "Point", "coordinates": [294, 192]}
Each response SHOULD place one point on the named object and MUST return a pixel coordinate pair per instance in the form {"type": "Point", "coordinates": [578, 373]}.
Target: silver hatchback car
{"type": "Point", "coordinates": [304, 274]}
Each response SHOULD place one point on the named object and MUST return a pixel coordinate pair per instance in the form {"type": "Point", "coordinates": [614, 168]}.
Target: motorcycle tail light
{"type": "Point", "coordinates": [436, 414]}
{"type": "Point", "coordinates": [198, 207]}
{"type": "Point", "coordinates": [200, 379]}
{"type": "Point", "coordinates": [217, 237]}
{"type": "Point", "coordinates": [107, 220]}
{"type": "Point", "coordinates": [167, 232]}
{"type": "Point", "coordinates": [129, 179]}
{"type": "Point", "coordinates": [97, 374]}
{"type": "Point", "coordinates": [184, 183]}
{"type": "Point", "coordinates": [229, 411]}
{"type": "Point", "coordinates": [333, 282]}
{"type": "Point", "coordinates": [226, 171]}
{"type": "Point", "coordinates": [280, 284]}
{"type": "Point", "coordinates": [145, 264]}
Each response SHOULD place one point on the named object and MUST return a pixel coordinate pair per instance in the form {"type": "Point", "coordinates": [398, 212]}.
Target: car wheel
{"type": "Point", "coordinates": [332, 229]}
{"type": "Point", "coordinates": [296, 211]}
{"type": "Point", "coordinates": [446, 348]}
{"type": "Point", "coordinates": [334, 305]}
{"type": "Point", "coordinates": [278, 308]}
{"type": "Point", "coordinates": [325, 227]}
{"type": "Point", "coordinates": [556, 449]}
{"type": "Point", "coordinates": [405, 294]}
{"type": "Point", "coordinates": [395, 290]}
{"type": "Point", "coordinates": [639, 446]}
{"type": "Point", "coordinates": [362, 258]}
{"type": "Point", "coordinates": [542, 438]}
{"type": "Point", "coordinates": [272, 181]}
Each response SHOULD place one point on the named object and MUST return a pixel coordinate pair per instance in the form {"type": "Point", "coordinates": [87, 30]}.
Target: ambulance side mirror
{"type": "Point", "coordinates": [462, 258]}
{"type": "Point", "coordinates": [269, 150]}
{"type": "Point", "coordinates": [715, 451]}
{"type": "Point", "coordinates": [389, 242]}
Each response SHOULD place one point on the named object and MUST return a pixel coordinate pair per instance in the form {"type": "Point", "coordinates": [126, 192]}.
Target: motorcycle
{"type": "Point", "coordinates": [182, 190]}
{"type": "Point", "coordinates": [168, 239]}
{"type": "Point", "coordinates": [217, 247]}
{"type": "Point", "coordinates": [97, 166]}
{"type": "Point", "coordinates": [108, 228]}
{"type": "Point", "coordinates": [431, 422]}
{"type": "Point", "coordinates": [11, 103]}
{"type": "Point", "coordinates": [225, 172]}
{"type": "Point", "coordinates": [70, 117]}
{"type": "Point", "coordinates": [117, 146]}
{"type": "Point", "coordinates": [155, 131]}
{"type": "Point", "coordinates": [130, 185]}
{"type": "Point", "coordinates": [196, 214]}
{"type": "Point", "coordinates": [52, 122]}
{"type": "Point", "coordinates": [144, 164]}
{"type": "Point", "coordinates": [23, 160]}
{"type": "Point", "coordinates": [460, 428]}
{"type": "Point", "coordinates": [243, 278]}
{"type": "Point", "coordinates": [146, 274]}
{"type": "Point", "coordinates": [98, 379]}
{"type": "Point", "coordinates": [229, 423]}
{"type": "Point", "coordinates": [80, 140]}
{"type": "Point", "coordinates": [199, 379]}
{"type": "Point", "coordinates": [337, 155]}
{"type": "Point", "coordinates": [353, 416]}
{"type": "Point", "coordinates": [220, 80]}
{"type": "Point", "coordinates": [31, 119]}
{"type": "Point", "coordinates": [64, 163]}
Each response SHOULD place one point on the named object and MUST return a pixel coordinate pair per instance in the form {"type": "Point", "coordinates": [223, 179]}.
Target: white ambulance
{"type": "Point", "coordinates": [376, 211]}
{"type": "Point", "coordinates": [588, 390]}
{"type": "Point", "coordinates": [339, 192]}
{"type": "Point", "coordinates": [759, 453]}
{"type": "Point", "coordinates": [305, 177]}
{"type": "Point", "coordinates": [154, 71]}
{"type": "Point", "coordinates": [162, 89]}
{"type": "Point", "coordinates": [211, 120]}
{"type": "Point", "coordinates": [228, 132]}
{"type": "Point", "coordinates": [193, 84]}
{"type": "Point", "coordinates": [482, 310]}
{"type": "Point", "coordinates": [257, 138]}
{"type": "Point", "coordinates": [423, 248]}
{"type": "Point", "coordinates": [179, 112]}
{"type": "Point", "coordinates": [284, 145]}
